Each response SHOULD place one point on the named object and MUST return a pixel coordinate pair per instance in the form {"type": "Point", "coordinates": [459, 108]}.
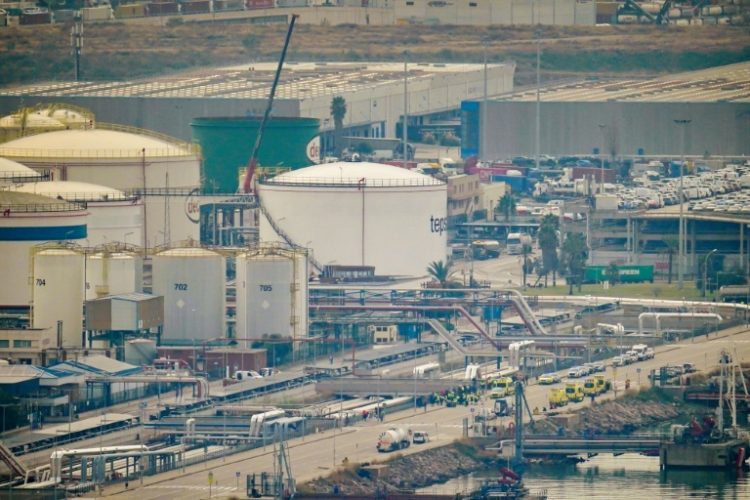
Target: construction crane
{"type": "Point", "coordinates": [247, 185]}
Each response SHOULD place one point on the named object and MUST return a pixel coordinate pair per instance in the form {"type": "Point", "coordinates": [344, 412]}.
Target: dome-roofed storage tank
{"type": "Point", "coordinates": [361, 214]}
{"type": "Point", "coordinates": [27, 220]}
{"type": "Point", "coordinates": [192, 281]}
{"type": "Point", "coordinates": [71, 116]}
{"type": "Point", "coordinates": [164, 172]}
{"type": "Point", "coordinates": [113, 215]}
{"type": "Point", "coordinates": [226, 143]}
{"type": "Point", "coordinates": [113, 270]}
{"type": "Point", "coordinates": [272, 293]}
{"type": "Point", "coordinates": [57, 284]}
{"type": "Point", "coordinates": [12, 172]}
{"type": "Point", "coordinates": [24, 123]}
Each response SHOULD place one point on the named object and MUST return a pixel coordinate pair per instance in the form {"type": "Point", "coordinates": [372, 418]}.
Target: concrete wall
{"type": "Point", "coordinates": [569, 128]}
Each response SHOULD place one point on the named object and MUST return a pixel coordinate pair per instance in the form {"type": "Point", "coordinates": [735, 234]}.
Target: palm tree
{"type": "Point", "coordinates": [613, 273]}
{"type": "Point", "coordinates": [574, 258]}
{"type": "Point", "coordinates": [440, 271]}
{"type": "Point", "coordinates": [507, 205]}
{"type": "Point", "coordinates": [338, 112]}
{"type": "Point", "coordinates": [549, 243]}
{"type": "Point", "coordinates": [528, 264]}
{"type": "Point", "coordinates": [672, 245]}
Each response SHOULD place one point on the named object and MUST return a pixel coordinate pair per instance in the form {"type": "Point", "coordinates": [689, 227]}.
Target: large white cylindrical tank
{"type": "Point", "coordinates": [26, 123]}
{"type": "Point", "coordinates": [113, 215]}
{"type": "Point", "coordinates": [58, 293]}
{"type": "Point", "coordinates": [271, 294]}
{"type": "Point", "coordinates": [113, 273]}
{"type": "Point", "coordinates": [193, 284]}
{"type": "Point", "coordinates": [69, 116]}
{"type": "Point", "coordinates": [359, 214]}
{"type": "Point", "coordinates": [27, 220]}
{"type": "Point", "coordinates": [12, 172]}
{"type": "Point", "coordinates": [162, 171]}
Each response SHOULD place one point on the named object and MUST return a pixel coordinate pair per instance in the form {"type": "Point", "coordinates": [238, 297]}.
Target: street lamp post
{"type": "Point", "coordinates": [681, 251]}
{"type": "Point", "coordinates": [538, 103]}
{"type": "Point", "coordinates": [705, 271]}
{"type": "Point", "coordinates": [602, 157]}
{"type": "Point", "coordinates": [483, 134]}
{"type": "Point", "coordinates": [406, 109]}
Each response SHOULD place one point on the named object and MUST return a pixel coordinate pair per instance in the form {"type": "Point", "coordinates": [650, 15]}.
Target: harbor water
{"type": "Point", "coordinates": [606, 477]}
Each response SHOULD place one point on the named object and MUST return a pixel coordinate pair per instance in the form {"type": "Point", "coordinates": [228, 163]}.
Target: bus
{"type": "Point", "coordinates": [515, 242]}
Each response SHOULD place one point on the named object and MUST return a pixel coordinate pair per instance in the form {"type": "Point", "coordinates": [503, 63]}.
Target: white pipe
{"type": "Point", "coordinates": [617, 329]}
{"type": "Point", "coordinates": [658, 316]}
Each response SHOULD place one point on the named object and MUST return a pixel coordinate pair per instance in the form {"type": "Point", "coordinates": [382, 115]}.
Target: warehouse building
{"type": "Point", "coordinates": [374, 94]}
{"type": "Point", "coordinates": [708, 110]}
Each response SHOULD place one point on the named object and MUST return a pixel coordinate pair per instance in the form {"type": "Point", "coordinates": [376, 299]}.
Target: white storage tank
{"type": "Point", "coordinates": [112, 271]}
{"type": "Point", "coordinates": [163, 171]}
{"type": "Point", "coordinates": [192, 281]}
{"type": "Point", "coordinates": [272, 294]}
{"type": "Point", "coordinates": [25, 123]}
{"type": "Point", "coordinates": [140, 352]}
{"type": "Point", "coordinates": [57, 284]}
{"type": "Point", "coordinates": [113, 215]}
{"type": "Point", "coordinates": [12, 172]}
{"type": "Point", "coordinates": [359, 213]}
{"type": "Point", "coordinates": [27, 220]}
{"type": "Point", "coordinates": [71, 116]}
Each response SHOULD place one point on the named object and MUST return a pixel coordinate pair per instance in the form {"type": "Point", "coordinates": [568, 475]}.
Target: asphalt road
{"type": "Point", "coordinates": [317, 455]}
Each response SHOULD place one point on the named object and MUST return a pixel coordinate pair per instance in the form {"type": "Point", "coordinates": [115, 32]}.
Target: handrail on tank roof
{"type": "Point", "coordinates": [350, 182]}
{"type": "Point", "coordinates": [15, 208]}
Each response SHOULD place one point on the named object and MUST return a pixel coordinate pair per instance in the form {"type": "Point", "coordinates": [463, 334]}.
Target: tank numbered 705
{"type": "Point", "coordinates": [266, 288]}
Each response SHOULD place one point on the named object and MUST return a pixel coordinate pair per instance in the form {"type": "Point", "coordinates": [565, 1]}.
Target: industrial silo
{"type": "Point", "coordinates": [27, 220]}
{"type": "Point", "coordinates": [25, 123]}
{"type": "Point", "coordinates": [57, 284]}
{"type": "Point", "coordinates": [12, 172]}
{"type": "Point", "coordinates": [113, 271]}
{"type": "Point", "coordinates": [164, 172]}
{"type": "Point", "coordinates": [113, 215]}
{"type": "Point", "coordinates": [140, 352]}
{"type": "Point", "coordinates": [358, 214]}
{"type": "Point", "coordinates": [272, 293]}
{"type": "Point", "coordinates": [192, 281]}
{"type": "Point", "coordinates": [226, 144]}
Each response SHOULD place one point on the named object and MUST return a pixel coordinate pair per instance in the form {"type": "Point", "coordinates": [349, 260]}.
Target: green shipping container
{"type": "Point", "coordinates": [226, 144]}
{"type": "Point", "coordinates": [628, 274]}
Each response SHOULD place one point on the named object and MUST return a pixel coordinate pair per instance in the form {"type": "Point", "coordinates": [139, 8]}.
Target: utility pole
{"type": "Point", "coordinates": [76, 43]}
{"type": "Point", "coordinates": [681, 232]}
{"type": "Point", "coordinates": [483, 133]}
{"type": "Point", "coordinates": [405, 131]}
{"type": "Point", "coordinates": [538, 103]}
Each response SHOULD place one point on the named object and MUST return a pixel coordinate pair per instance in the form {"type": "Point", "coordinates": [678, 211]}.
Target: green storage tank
{"type": "Point", "coordinates": [226, 144]}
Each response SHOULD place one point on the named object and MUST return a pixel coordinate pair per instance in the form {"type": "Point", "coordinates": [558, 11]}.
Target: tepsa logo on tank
{"type": "Point", "coordinates": [438, 224]}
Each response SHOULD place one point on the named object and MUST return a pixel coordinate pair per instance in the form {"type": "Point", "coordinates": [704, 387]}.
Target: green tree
{"type": "Point", "coordinates": [528, 264]}
{"type": "Point", "coordinates": [441, 272]}
{"type": "Point", "coordinates": [549, 244]}
{"type": "Point", "coordinates": [338, 112]}
{"type": "Point", "coordinates": [672, 246]}
{"type": "Point", "coordinates": [613, 273]}
{"type": "Point", "coordinates": [574, 255]}
{"type": "Point", "coordinates": [506, 206]}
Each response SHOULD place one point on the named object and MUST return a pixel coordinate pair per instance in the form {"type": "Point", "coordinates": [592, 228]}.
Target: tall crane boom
{"type": "Point", "coordinates": [247, 185]}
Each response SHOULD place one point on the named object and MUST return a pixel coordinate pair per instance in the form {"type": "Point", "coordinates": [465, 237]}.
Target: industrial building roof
{"type": "Point", "coordinates": [355, 174]}
{"type": "Point", "coordinates": [298, 81]}
{"type": "Point", "coordinates": [101, 365]}
{"type": "Point", "coordinates": [128, 297]}
{"type": "Point", "coordinates": [729, 83]}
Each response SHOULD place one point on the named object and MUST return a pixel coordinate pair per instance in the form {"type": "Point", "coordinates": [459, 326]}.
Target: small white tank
{"type": "Point", "coordinates": [113, 273]}
{"type": "Point", "coordinates": [192, 281]}
{"type": "Point", "coordinates": [57, 293]}
{"type": "Point", "coordinates": [272, 294]}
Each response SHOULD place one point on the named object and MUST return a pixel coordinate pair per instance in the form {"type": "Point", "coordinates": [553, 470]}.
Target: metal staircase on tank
{"type": "Point", "coordinates": [283, 234]}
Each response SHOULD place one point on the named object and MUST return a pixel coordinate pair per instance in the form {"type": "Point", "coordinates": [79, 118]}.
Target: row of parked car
{"type": "Point", "coordinates": [640, 352]}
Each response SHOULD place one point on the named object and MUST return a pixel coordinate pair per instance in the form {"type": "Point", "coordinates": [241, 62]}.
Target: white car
{"type": "Point", "coordinates": [618, 361]}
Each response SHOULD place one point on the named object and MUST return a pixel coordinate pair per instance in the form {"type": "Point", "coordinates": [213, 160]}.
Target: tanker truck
{"type": "Point", "coordinates": [394, 439]}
